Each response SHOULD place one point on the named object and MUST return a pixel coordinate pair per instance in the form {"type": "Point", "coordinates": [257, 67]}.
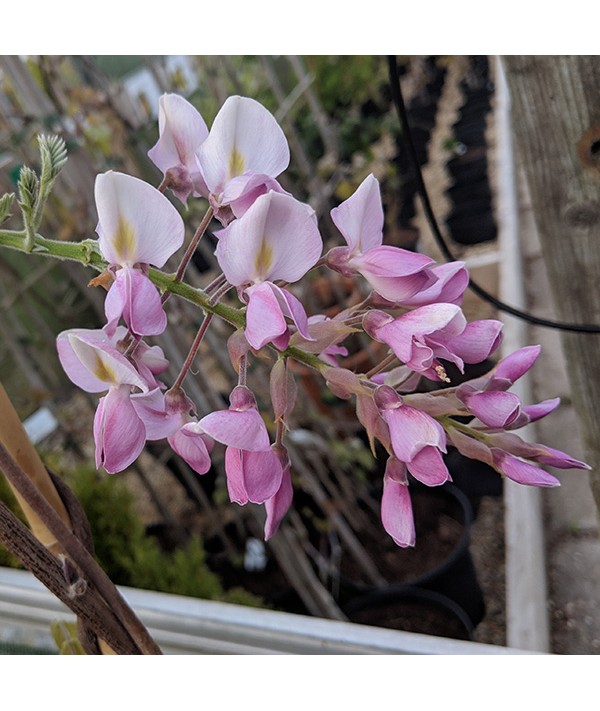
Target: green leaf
{"type": "Point", "coordinates": [29, 189]}
{"type": "Point", "coordinates": [54, 155]}
{"type": "Point", "coordinates": [5, 205]}
{"type": "Point", "coordinates": [65, 637]}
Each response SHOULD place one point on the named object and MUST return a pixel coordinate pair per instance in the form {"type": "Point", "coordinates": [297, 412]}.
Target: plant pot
{"type": "Point", "coordinates": [451, 582]}
{"type": "Point", "coordinates": [412, 610]}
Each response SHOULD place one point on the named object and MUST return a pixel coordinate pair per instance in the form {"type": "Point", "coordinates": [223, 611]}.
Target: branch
{"type": "Point", "coordinates": [87, 253]}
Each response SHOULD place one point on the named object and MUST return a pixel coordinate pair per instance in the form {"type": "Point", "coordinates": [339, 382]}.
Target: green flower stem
{"type": "Point", "coordinates": [87, 253]}
{"type": "Point", "coordinates": [448, 422]}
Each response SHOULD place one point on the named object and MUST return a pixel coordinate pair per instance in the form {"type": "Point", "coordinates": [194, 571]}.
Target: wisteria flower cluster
{"type": "Point", "coordinates": [269, 240]}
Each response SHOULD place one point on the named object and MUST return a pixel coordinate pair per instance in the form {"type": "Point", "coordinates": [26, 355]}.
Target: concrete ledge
{"type": "Point", "coordinates": [183, 625]}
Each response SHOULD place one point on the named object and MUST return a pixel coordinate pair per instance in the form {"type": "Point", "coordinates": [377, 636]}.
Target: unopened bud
{"type": "Point", "coordinates": [386, 398]}
{"type": "Point", "coordinates": [177, 401]}
{"type": "Point", "coordinates": [242, 398]}
{"type": "Point", "coordinates": [375, 320]}
{"type": "Point", "coordinates": [283, 390]}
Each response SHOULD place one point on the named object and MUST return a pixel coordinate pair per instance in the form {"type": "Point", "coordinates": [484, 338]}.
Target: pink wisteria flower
{"type": "Point", "coordinates": [137, 226]}
{"type": "Point", "coordinates": [277, 238]}
{"type": "Point", "coordinates": [513, 457]}
{"type": "Point", "coordinates": [184, 438]}
{"type": "Point", "coordinates": [394, 273]}
{"type": "Point", "coordinates": [421, 337]}
{"type": "Point", "coordinates": [253, 470]}
{"type": "Point", "coordinates": [92, 362]}
{"type": "Point", "coordinates": [278, 505]}
{"type": "Point", "coordinates": [396, 506]}
{"type": "Point", "coordinates": [487, 399]}
{"type": "Point", "coordinates": [416, 438]}
{"type": "Point", "coordinates": [244, 152]}
{"type": "Point", "coordinates": [182, 131]}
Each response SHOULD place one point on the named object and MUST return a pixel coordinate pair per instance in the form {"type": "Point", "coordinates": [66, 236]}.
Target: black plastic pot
{"type": "Point", "coordinates": [412, 610]}
{"type": "Point", "coordinates": [453, 583]}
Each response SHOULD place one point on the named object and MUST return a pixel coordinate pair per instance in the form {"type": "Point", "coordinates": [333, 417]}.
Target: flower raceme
{"type": "Point", "coordinates": [269, 237]}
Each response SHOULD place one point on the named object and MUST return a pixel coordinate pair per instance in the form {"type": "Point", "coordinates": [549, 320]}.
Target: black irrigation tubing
{"type": "Point", "coordinates": [439, 238]}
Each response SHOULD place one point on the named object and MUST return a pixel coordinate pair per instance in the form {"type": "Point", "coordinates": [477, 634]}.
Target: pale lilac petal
{"type": "Point", "coordinates": [182, 131]}
{"type": "Point", "coordinates": [144, 314]}
{"type": "Point", "coordinates": [193, 448]}
{"type": "Point", "coordinates": [329, 355]}
{"type": "Point", "coordinates": [137, 223]}
{"type": "Point", "coordinates": [150, 359]}
{"type": "Point", "coordinates": [242, 430]}
{"type": "Point", "coordinates": [453, 279]}
{"type": "Point", "coordinates": [388, 261]}
{"type": "Point", "coordinates": [494, 409]}
{"type": "Point", "coordinates": [234, 471]}
{"type": "Point", "coordinates": [77, 370]}
{"type": "Point", "coordinates": [370, 418]}
{"type": "Point", "coordinates": [411, 430]}
{"type": "Point", "coordinates": [92, 362]}
{"type": "Point", "coordinates": [541, 409]}
{"type": "Point", "coordinates": [252, 476]}
{"type": "Point", "coordinates": [360, 217]}
{"type": "Point", "coordinates": [98, 433]}
{"type": "Point", "coordinates": [394, 273]}
{"type": "Point", "coordinates": [396, 511]}
{"type": "Point", "coordinates": [445, 320]}
{"type": "Point", "coordinates": [244, 137]}
{"type": "Point", "coordinates": [516, 364]}
{"type": "Point", "coordinates": [134, 297]}
{"type": "Point", "coordinates": [283, 341]}
{"type": "Point", "coordinates": [292, 308]}
{"type": "Point", "coordinates": [264, 318]}
{"type": "Point", "coordinates": [118, 431]}
{"type": "Point", "coordinates": [241, 193]}
{"type": "Point", "coordinates": [428, 467]}
{"type": "Point", "coordinates": [262, 475]}
{"type": "Point", "coordinates": [510, 442]}
{"type": "Point", "coordinates": [150, 408]}
{"type": "Point", "coordinates": [478, 340]}
{"type": "Point", "coordinates": [444, 351]}
{"type": "Point", "coordinates": [277, 238]}
{"type": "Point", "coordinates": [278, 505]}
{"type": "Point", "coordinates": [522, 472]}
{"type": "Point", "coordinates": [556, 458]}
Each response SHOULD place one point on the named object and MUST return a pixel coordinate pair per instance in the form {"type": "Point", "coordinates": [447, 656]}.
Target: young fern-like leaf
{"type": "Point", "coordinates": [5, 205]}
{"type": "Point", "coordinates": [54, 155]}
{"type": "Point", "coordinates": [29, 190]}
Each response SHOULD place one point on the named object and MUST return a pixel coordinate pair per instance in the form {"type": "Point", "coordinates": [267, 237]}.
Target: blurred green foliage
{"type": "Point", "coordinates": [7, 560]}
{"type": "Point", "coordinates": [126, 552]}
{"type": "Point", "coordinates": [131, 557]}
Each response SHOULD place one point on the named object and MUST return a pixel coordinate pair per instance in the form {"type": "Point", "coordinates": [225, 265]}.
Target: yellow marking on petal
{"type": "Point", "coordinates": [237, 163]}
{"type": "Point", "coordinates": [124, 241]}
{"type": "Point", "coordinates": [102, 371]}
{"type": "Point", "coordinates": [264, 258]}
